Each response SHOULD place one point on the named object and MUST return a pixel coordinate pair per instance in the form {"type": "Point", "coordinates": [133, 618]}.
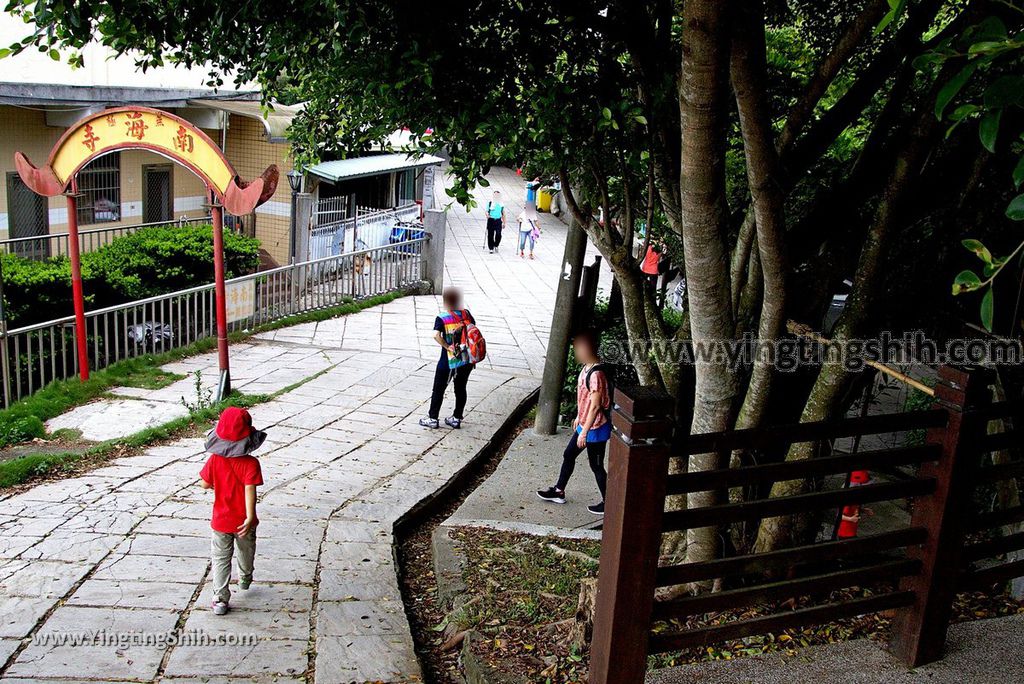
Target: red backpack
{"type": "Point", "coordinates": [473, 343]}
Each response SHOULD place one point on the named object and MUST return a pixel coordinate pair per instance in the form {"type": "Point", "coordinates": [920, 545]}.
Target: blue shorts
{"type": "Point", "coordinates": [599, 434]}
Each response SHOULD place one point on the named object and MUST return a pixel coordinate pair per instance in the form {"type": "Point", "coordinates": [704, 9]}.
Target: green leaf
{"type": "Point", "coordinates": [607, 114]}
{"type": "Point", "coordinates": [966, 281]}
{"type": "Point", "coordinates": [978, 248]}
{"type": "Point", "coordinates": [923, 61]}
{"type": "Point", "coordinates": [985, 46]}
{"type": "Point", "coordinates": [1004, 91]}
{"type": "Point", "coordinates": [54, 55]}
{"type": "Point", "coordinates": [988, 129]}
{"type": "Point", "coordinates": [1015, 210]}
{"type": "Point", "coordinates": [954, 86]}
{"type": "Point", "coordinates": [963, 111]}
{"type": "Point", "coordinates": [641, 119]}
{"type": "Point", "coordinates": [992, 28]}
{"type": "Point", "coordinates": [896, 8]}
{"type": "Point", "coordinates": [1018, 173]}
{"type": "Point", "coordinates": [4, 52]}
{"type": "Point", "coordinates": [987, 309]}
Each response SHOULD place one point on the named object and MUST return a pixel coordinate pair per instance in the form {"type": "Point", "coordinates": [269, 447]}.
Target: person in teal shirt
{"type": "Point", "coordinates": [495, 221]}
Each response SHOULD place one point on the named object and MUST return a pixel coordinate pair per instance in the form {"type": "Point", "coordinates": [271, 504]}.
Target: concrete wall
{"type": "Point", "coordinates": [249, 152]}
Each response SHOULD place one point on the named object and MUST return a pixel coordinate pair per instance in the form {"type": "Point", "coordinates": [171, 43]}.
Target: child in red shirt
{"type": "Point", "coordinates": [233, 475]}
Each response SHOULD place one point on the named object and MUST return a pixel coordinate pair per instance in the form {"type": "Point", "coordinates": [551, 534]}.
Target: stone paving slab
{"type": "Point", "coordinates": [508, 496]}
{"type": "Point", "coordinates": [131, 557]}
{"type": "Point", "coordinates": [981, 652]}
{"type": "Point", "coordinates": [125, 547]}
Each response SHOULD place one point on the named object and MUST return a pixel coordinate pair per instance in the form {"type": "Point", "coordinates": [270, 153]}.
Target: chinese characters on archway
{"type": "Point", "coordinates": [137, 126]}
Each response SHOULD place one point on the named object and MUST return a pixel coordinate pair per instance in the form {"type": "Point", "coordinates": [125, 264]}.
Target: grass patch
{"type": "Point", "coordinates": [24, 420]}
{"type": "Point", "coordinates": [23, 469]}
{"type": "Point", "coordinates": [30, 467]}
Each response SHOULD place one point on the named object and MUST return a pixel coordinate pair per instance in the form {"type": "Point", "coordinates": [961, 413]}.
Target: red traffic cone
{"type": "Point", "coordinates": [847, 527]}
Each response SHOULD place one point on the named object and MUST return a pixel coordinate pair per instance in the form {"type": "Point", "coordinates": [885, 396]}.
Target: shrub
{"type": "Point", "coordinates": [14, 429]}
{"type": "Point", "coordinates": [163, 259]}
{"type": "Point", "coordinates": [147, 263]}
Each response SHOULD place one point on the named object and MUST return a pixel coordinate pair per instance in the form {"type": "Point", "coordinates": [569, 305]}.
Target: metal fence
{"type": "Point", "coordinates": [56, 244]}
{"type": "Point", "coordinates": [36, 355]}
{"type": "Point", "coordinates": [369, 228]}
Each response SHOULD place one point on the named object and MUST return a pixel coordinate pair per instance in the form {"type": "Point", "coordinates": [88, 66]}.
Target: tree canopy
{"type": "Point", "coordinates": [777, 147]}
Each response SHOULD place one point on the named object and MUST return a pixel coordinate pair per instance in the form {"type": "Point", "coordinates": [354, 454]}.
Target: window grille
{"type": "Point", "coordinates": [99, 187]}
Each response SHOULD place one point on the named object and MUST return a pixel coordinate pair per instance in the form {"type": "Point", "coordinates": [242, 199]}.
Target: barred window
{"type": "Point", "coordinates": [99, 187]}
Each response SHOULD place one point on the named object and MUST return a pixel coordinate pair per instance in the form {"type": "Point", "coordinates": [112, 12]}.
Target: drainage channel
{"type": "Point", "coordinates": [413, 546]}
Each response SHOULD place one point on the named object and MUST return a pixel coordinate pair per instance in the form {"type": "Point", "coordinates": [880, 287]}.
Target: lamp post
{"type": "Point", "coordinates": [294, 182]}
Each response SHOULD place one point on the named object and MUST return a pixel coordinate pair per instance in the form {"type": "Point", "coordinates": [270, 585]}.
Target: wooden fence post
{"type": "Point", "coordinates": [919, 631]}
{"type": "Point", "coordinates": [634, 505]}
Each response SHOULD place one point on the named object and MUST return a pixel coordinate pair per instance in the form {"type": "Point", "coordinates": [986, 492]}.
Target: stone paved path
{"type": "Point", "coordinates": [118, 557]}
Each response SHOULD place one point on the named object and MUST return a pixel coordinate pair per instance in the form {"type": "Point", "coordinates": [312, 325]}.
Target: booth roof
{"type": "Point", "coordinates": [360, 167]}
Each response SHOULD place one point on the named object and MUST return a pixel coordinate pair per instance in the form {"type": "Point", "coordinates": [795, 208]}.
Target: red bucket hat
{"type": "Point", "coordinates": [234, 434]}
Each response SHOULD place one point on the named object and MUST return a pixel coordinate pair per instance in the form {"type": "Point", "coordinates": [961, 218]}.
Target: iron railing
{"type": "Point", "coordinates": [38, 354]}
{"type": "Point", "coordinates": [56, 244]}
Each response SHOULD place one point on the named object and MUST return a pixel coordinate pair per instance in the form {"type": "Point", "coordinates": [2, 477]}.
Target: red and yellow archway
{"type": "Point", "coordinates": [170, 136]}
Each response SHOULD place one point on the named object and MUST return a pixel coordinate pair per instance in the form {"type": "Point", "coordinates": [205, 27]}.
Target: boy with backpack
{"type": "Point", "coordinates": [233, 474]}
{"type": "Point", "coordinates": [462, 347]}
{"type": "Point", "coordinates": [592, 426]}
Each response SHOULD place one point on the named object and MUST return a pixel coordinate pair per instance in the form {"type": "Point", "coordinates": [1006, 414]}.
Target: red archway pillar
{"type": "Point", "coordinates": [224, 384]}
{"type": "Point", "coordinates": [77, 295]}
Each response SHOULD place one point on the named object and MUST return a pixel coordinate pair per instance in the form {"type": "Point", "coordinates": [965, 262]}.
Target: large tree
{"type": "Point", "coordinates": [777, 147]}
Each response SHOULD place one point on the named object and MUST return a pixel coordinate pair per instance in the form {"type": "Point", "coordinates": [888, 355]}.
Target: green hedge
{"type": "Point", "coordinates": [150, 262]}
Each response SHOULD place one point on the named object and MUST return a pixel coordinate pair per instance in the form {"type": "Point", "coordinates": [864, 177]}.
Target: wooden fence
{"type": "Point", "coordinates": [915, 570]}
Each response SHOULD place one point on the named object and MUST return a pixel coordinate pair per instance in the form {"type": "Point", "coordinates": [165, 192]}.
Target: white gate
{"type": "Point", "coordinates": [335, 231]}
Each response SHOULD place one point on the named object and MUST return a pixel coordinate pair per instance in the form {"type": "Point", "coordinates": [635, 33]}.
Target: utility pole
{"type": "Point", "coordinates": [561, 329]}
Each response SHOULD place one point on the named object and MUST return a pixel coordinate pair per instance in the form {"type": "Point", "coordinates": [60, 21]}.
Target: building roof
{"type": "Point", "coordinates": [360, 167]}
{"type": "Point", "coordinates": [99, 96]}
{"type": "Point", "coordinates": [276, 121]}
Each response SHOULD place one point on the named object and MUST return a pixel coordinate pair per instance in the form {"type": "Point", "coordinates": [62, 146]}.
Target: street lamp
{"type": "Point", "coordinates": [294, 182]}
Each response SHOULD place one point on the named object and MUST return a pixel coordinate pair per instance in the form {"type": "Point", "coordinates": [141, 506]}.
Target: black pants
{"type": "Point", "coordinates": [442, 376]}
{"type": "Point", "coordinates": [493, 232]}
{"type": "Point", "coordinates": [595, 454]}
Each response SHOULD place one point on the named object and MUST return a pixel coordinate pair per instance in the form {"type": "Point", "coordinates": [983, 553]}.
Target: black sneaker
{"type": "Point", "coordinates": [453, 422]}
{"type": "Point", "coordinates": [553, 495]}
{"type": "Point", "coordinates": [430, 423]}
{"type": "Point", "coordinates": [597, 509]}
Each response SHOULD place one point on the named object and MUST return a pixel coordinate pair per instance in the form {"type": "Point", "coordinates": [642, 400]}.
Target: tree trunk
{"type": "Point", "coordinates": [582, 629]}
{"type": "Point", "coordinates": [702, 93]}
{"type": "Point", "coordinates": [634, 305]}
{"type": "Point", "coordinates": [553, 378]}
{"type": "Point", "coordinates": [776, 532]}
{"type": "Point", "coordinates": [748, 74]}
